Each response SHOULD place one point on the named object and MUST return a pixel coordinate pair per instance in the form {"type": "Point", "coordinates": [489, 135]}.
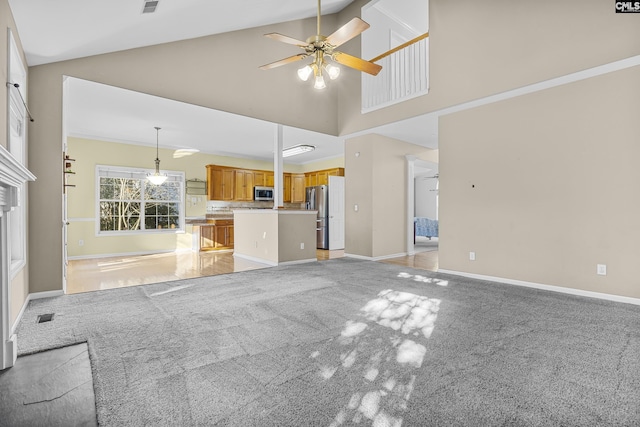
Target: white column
{"type": "Point", "coordinates": [278, 165]}
{"type": "Point", "coordinates": [410, 202]}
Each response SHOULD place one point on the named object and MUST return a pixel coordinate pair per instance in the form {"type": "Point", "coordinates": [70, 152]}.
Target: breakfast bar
{"type": "Point", "coordinates": [275, 236]}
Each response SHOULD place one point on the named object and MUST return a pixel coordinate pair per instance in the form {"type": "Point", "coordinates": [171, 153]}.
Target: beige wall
{"type": "Point", "coordinates": [296, 229]}
{"type": "Point", "coordinates": [274, 237]}
{"type": "Point", "coordinates": [376, 181]}
{"type": "Point", "coordinates": [256, 237]}
{"type": "Point", "coordinates": [358, 230]}
{"type": "Point", "coordinates": [555, 176]}
{"type": "Point", "coordinates": [480, 48]}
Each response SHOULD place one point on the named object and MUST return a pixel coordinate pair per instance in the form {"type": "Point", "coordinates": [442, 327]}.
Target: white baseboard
{"type": "Point", "coordinates": [36, 295]}
{"type": "Point", "coordinates": [375, 258]}
{"type": "Point", "coordinates": [300, 261]}
{"type": "Point", "coordinates": [255, 259]}
{"type": "Point", "coordinates": [273, 263]}
{"type": "Point", "coordinates": [561, 289]}
{"type": "Point", "coordinates": [123, 254]}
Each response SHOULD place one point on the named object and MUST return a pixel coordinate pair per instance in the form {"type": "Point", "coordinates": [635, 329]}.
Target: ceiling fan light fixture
{"type": "Point", "coordinates": [297, 149]}
{"type": "Point", "coordinates": [318, 46]}
{"type": "Point", "coordinates": [157, 178]}
{"type": "Point", "coordinates": [305, 72]}
{"type": "Point", "coordinates": [332, 70]}
{"type": "Point", "coordinates": [319, 84]}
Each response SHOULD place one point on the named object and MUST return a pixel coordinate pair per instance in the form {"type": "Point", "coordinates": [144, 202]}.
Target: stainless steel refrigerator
{"type": "Point", "coordinates": [317, 199]}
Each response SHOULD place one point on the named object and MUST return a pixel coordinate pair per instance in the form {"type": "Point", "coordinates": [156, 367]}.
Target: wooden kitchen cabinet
{"type": "Point", "coordinates": [321, 177]}
{"type": "Point", "coordinates": [244, 185]}
{"type": "Point", "coordinates": [220, 183]}
{"type": "Point", "coordinates": [216, 235]}
{"type": "Point", "coordinates": [224, 234]}
{"type": "Point", "coordinates": [263, 178]}
{"type": "Point", "coordinates": [297, 194]}
{"type": "Point", "coordinates": [259, 179]}
{"type": "Point", "coordinates": [286, 195]}
{"type": "Point", "coordinates": [228, 183]}
{"type": "Point", "coordinates": [207, 237]}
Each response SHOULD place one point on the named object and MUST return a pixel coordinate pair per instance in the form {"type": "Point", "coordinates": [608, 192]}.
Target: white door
{"type": "Point", "coordinates": [336, 212]}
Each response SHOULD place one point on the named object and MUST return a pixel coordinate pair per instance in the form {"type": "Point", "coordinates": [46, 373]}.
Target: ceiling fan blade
{"type": "Point", "coordinates": [347, 32]}
{"type": "Point", "coordinates": [357, 63]}
{"type": "Point", "coordinates": [286, 39]}
{"type": "Point", "coordinates": [284, 61]}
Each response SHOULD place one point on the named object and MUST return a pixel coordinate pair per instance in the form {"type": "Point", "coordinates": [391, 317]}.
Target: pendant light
{"type": "Point", "coordinates": [157, 178]}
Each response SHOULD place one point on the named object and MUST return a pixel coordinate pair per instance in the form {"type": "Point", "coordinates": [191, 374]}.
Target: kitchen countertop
{"type": "Point", "coordinates": [203, 220]}
{"type": "Point", "coordinates": [206, 220]}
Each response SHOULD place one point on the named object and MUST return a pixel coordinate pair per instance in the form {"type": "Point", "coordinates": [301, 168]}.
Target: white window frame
{"type": "Point", "coordinates": [137, 173]}
{"type": "Point", "coordinates": [17, 146]}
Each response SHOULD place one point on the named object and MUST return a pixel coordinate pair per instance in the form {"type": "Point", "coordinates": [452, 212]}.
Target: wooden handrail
{"type": "Point", "coordinates": [402, 46]}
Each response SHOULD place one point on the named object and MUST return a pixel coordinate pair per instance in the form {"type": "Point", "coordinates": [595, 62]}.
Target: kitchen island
{"type": "Point", "coordinates": [213, 232]}
{"type": "Point", "coordinates": [275, 236]}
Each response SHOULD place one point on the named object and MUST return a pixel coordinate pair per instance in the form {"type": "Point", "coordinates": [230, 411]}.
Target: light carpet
{"type": "Point", "coordinates": [348, 342]}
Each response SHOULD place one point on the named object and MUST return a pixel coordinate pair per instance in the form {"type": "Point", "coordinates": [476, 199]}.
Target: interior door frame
{"type": "Point", "coordinates": [336, 213]}
{"type": "Point", "coordinates": [65, 217]}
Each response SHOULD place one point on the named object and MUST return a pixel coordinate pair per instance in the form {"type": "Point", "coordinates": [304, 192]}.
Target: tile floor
{"type": "Point", "coordinates": [117, 272]}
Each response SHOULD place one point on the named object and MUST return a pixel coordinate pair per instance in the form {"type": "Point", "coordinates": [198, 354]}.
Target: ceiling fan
{"type": "Point", "coordinates": [321, 48]}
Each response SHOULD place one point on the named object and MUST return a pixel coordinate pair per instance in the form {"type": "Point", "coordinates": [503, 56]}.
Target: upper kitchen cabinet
{"type": "Point", "coordinates": [294, 185]}
{"type": "Point", "coordinates": [269, 180]}
{"type": "Point", "coordinates": [244, 185]}
{"type": "Point", "coordinates": [321, 177]}
{"type": "Point", "coordinates": [263, 178]}
{"type": "Point", "coordinates": [297, 188]}
{"type": "Point", "coordinates": [286, 196]}
{"type": "Point", "coordinates": [220, 183]}
{"type": "Point", "coordinates": [259, 178]}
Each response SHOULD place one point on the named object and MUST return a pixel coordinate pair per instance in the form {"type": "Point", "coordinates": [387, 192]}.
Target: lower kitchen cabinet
{"type": "Point", "coordinates": [218, 234]}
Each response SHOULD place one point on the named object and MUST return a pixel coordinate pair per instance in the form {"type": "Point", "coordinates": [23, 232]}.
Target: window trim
{"type": "Point", "coordinates": [17, 217]}
{"type": "Point", "coordinates": [137, 173]}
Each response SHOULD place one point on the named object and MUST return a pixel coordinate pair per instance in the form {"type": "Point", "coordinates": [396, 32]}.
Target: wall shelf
{"type": "Point", "coordinates": [66, 171]}
{"type": "Point", "coordinates": [196, 187]}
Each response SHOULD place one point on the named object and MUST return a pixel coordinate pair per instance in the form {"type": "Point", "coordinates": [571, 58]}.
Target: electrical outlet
{"type": "Point", "coordinates": [80, 242]}
{"type": "Point", "coordinates": [472, 256]}
{"type": "Point", "coordinates": [601, 269]}
{"type": "Point", "coordinates": [302, 245]}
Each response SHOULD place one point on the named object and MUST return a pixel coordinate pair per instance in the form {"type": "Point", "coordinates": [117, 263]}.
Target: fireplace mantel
{"type": "Point", "coordinates": [13, 175]}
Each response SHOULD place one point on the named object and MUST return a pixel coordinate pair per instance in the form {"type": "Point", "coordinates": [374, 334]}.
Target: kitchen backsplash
{"type": "Point", "coordinates": [216, 206]}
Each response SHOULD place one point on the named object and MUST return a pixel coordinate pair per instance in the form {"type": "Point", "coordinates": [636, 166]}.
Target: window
{"type": "Point", "coordinates": [128, 203]}
{"type": "Point", "coordinates": [17, 148]}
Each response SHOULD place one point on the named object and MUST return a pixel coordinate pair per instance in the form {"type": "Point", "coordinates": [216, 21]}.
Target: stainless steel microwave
{"type": "Point", "coordinates": [262, 193]}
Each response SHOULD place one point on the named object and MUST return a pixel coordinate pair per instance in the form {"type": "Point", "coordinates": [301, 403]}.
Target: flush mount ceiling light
{"type": "Point", "coordinates": [157, 178]}
{"type": "Point", "coordinates": [297, 149]}
{"type": "Point", "coordinates": [321, 48]}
